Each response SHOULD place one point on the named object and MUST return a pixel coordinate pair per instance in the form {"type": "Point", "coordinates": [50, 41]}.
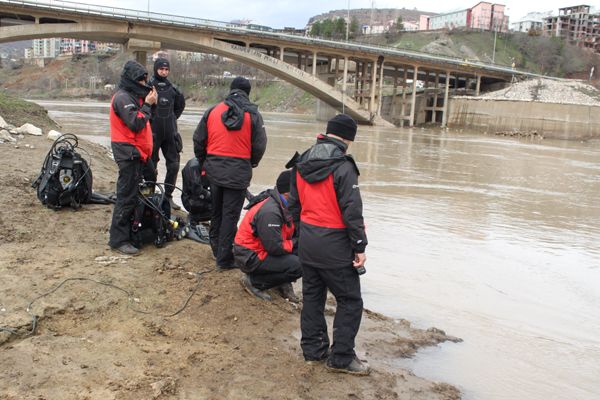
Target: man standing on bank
{"type": "Point", "coordinates": [131, 143]}
{"type": "Point", "coordinates": [325, 198]}
{"type": "Point", "coordinates": [229, 141]}
{"type": "Point", "coordinates": [168, 109]}
{"type": "Point", "coordinates": [264, 244]}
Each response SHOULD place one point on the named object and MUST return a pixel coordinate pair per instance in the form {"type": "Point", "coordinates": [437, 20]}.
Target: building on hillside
{"type": "Point", "coordinates": [54, 47]}
{"type": "Point", "coordinates": [526, 25]}
{"type": "Point", "coordinates": [410, 26]}
{"type": "Point", "coordinates": [533, 20]}
{"type": "Point", "coordinates": [76, 46]}
{"type": "Point", "coordinates": [46, 48]}
{"type": "Point", "coordinates": [577, 24]}
{"type": "Point", "coordinates": [482, 16]}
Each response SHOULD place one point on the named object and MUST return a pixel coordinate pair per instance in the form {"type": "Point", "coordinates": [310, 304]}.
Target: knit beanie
{"type": "Point", "coordinates": [343, 126]}
{"type": "Point", "coordinates": [241, 83]}
{"type": "Point", "coordinates": [283, 181]}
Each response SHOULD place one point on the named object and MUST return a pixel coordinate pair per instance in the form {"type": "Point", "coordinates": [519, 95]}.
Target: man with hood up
{"type": "Point", "coordinates": [264, 244]}
{"type": "Point", "coordinates": [131, 142]}
{"type": "Point", "coordinates": [168, 109]}
{"type": "Point", "coordinates": [325, 199]}
{"type": "Point", "coordinates": [229, 141]}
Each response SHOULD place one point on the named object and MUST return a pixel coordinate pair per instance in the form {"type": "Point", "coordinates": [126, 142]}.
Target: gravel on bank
{"type": "Point", "coordinates": [548, 91]}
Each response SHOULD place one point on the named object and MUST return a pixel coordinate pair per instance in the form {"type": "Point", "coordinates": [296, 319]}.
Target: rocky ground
{"type": "Point", "coordinates": [103, 328]}
{"type": "Point", "coordinates": [549, 91]}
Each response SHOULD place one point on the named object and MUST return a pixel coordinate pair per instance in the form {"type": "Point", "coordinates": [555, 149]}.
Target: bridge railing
{"type": "Point", "coordinates": [182, 21]}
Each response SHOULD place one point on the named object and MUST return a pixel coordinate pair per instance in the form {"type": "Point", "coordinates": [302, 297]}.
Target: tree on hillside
{"type": "Point", "coordinates": [399, 25]}
{"type": "Point", "coordinates": [327, 28]}
{"type": "Point", "coordinates": [315, 30]}
{"type": "Point", "coordinates": [340, 28]}
{"type": "Point", "coordinates": [354, 27]}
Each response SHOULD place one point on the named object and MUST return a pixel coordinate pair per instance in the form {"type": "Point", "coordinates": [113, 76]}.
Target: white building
{"type": "Point", "coordinates": [533, 20]}
{"type": "Point", "coordinates": [46, 48]}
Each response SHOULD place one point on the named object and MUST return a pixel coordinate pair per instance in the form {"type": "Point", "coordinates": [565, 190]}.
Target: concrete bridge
{"type": "Point", "coordinates": [375, 85]}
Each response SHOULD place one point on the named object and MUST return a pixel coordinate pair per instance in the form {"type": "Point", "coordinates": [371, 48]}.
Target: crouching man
{"type": "Point", "coordinates": [263, 246]}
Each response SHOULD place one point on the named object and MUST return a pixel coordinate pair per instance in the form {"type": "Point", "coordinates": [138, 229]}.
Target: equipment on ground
{"type": "Point", "coordinates": [66, 177]}
{"type": "Point", "coordinates": [152, 221]}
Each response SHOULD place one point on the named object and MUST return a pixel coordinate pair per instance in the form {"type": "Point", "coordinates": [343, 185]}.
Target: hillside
{"type": "Point", "coordinates": [543, 55]}
{"type": "Point", "coordinates": [376, 16]}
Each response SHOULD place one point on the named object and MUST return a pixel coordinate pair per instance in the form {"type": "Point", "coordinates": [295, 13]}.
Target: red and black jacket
{"type": "Point", "coordinates": [266, 230]}
{"type": "Point", "coordinates": [230, 140]}
{"type": "Point", "coordinates": [130, 131]}
{"type": "Point", "coordinates": [325, 199]}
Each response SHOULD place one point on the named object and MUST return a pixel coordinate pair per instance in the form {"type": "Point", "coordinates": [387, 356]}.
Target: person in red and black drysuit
{"type": "Point", "coordinates": [131, 142]}
{"type": "Point", "coordinates": [325, 199]}
{"type": "Point", "coordinates": [264, 244]}
{"type": "Point", "coordinates": [229, 141]}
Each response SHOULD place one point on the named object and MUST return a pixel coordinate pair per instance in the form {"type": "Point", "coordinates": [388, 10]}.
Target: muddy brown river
{"type": "Point", "coordinates": [495, 240]}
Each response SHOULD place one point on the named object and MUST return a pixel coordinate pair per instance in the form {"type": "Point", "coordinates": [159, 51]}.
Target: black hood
{"type": "Point", "coordinates": [160, 62]}
{"type": "Point", "coordinates": [132, 72]}
{"type": "Point", "coordinates": [275, 195]}
{"type": "Point", "coordinates": [318, 162]}
{"type": "Point", "coordinates": [238, 103]}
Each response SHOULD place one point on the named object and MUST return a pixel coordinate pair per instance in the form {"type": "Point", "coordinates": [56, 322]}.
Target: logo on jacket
{"type": "Point", "coordinates": [126, 106]}
{"type": "Point", "coordinates": [354, 186]}
{"type": "Point", "coordinates": [273, 225]}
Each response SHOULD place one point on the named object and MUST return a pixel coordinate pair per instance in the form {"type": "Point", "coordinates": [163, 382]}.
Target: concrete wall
{"type": "Point", "coordinates": [557, 121]}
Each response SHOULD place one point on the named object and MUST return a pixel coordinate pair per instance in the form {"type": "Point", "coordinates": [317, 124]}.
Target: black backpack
{"type": "Point", "coordinates": [66, 177]}
{"type": "Point", "coordinates": [196, 196]}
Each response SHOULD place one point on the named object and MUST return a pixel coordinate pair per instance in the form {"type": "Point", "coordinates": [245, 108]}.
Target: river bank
{"type": "Point", "coordinates": [90, 343]}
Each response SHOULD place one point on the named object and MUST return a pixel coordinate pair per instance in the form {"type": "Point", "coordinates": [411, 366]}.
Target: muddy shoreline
{"type": "Point", "coordinates": [91, 343]}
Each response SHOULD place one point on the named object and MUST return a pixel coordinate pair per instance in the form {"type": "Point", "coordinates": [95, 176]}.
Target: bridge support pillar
{"type": "Point", "coordinates": [314, 64]}
{"type": "Point", "coordinates": [413, 100]}
{"type": "Point", "coordinates": [478, 85]}
{"type": "Point", "coordinates": [435, 97]}
{"type": "Point", "coordinates": [281, 53]}
{"type": "Point", "coordinates": [445, 112]}
{"type": "Point", "coordinates": [372, 108]}
{"type": "Point", "coordinates": [140, 49]}
{"type": "Point", "coordinates": [394, 93]}
{"type": "Point", "coordinates": [141, 56]}
{"type": "Point", "coordinates": [403, 107]}
{"type": "Point", "coordinates": [344, 83]}
{"type": "Point", "coordinates": [380, 94]}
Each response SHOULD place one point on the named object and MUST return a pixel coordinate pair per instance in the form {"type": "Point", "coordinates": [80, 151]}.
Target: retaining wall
{"type": "Point", "coordinates": [550, 120]}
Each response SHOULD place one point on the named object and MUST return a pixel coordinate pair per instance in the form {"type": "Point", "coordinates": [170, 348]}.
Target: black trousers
{"type": "Point", "coordinates": [276, 270]}
{"type": "Point", "coordinates": [226, 208]}
{"type": "Point", "coordinates": [172, 158]}
{"type": "Point", "coordinates": [130, 176]}
{"type": "Point", "coordinates": [344, 284]}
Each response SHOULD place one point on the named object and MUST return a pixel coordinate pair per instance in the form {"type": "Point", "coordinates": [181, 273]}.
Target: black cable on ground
{"type": "Point", "coordinates": [130, 298]}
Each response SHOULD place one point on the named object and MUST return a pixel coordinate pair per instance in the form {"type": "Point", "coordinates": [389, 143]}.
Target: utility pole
{"type": "Point", "coordinates": [348, 21]}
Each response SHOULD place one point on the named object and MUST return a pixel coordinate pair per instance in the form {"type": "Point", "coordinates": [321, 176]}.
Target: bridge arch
{"type": "Point", "coordinates": [192, 41]}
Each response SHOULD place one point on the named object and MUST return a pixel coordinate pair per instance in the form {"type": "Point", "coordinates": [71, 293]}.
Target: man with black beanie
{"type": "Point", "coordinates": [264, 244]}
{"type": "Point", "coordinates": [229, 141]}
{"type": "Point", "coordinates": [131, 142]}
{"type": "Point", "coordinates": [325, 201]}
{"type": "Point", "coordinates": [168, 109]}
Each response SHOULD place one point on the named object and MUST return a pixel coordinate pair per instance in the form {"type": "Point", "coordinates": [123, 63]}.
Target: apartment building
{"type": "Point", "coordinates": [482, 16]}
{"type": "Point", "coordinates": [577, 25]}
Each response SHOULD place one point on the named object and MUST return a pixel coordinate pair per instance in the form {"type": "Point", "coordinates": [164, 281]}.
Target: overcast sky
{"type": "Point", "coordinates": [280, 13]}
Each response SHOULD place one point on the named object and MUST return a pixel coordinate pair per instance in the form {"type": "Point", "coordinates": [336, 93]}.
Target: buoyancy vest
{"type": "Point", "coordinates": [322, 209]}
{"type": "Point", "coordinates": [228, 143]}
{"type": "Point", "coordinates": [248, 238]}
{"type": "Point", "coordinates": [120, 132]}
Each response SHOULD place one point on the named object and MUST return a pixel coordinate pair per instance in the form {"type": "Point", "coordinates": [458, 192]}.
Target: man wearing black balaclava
{"type": "Point", "coordinates": [168, 109]}
{"type": "Point", "coordinates": [229, 141]}
{"type": "Point", "coordinates": [131, 142]}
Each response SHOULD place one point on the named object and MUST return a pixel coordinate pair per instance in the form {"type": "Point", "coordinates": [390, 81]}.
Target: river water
{"type": "Point", "coordinates": [495, 240]}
